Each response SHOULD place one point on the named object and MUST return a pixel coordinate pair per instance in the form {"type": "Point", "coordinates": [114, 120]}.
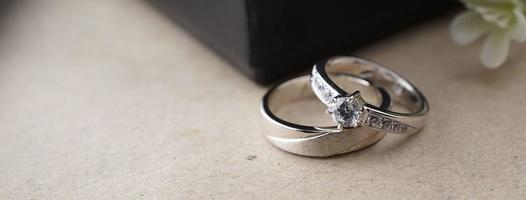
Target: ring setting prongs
{"type": "Point", "coordinates": [347, 111]}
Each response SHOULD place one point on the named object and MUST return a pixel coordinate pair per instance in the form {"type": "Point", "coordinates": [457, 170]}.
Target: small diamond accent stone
{"type": "Point", "coordinates": [397, 127]}
{"type": "Point", "coordinates": [346, 111]}
{"type": "Point", "coordinates": [386, 123]}
{"type": "Point", "coordinates": [374, 121]}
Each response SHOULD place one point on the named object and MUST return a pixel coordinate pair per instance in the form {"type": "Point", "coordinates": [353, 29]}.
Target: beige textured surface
{"type": "Point", "coordinates": [107, 99]}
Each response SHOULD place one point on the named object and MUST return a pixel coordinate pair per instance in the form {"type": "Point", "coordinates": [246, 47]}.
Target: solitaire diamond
{"type": "Point", "coordinates": [347, 111]}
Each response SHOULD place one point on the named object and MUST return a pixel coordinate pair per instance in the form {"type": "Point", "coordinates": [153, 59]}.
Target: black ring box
{"type": "Point", "coordinates": [269, 40]}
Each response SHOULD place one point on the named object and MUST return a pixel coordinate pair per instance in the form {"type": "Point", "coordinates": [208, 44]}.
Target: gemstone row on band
{"type": "Point", "coordinates": [378, 121]}
{"type": "Point", "coordinates": [321, 88]}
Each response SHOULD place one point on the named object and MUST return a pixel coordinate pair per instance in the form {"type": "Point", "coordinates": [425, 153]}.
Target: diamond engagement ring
{"type": "Point", "coordinates": [350, 110]}
{"type": "Point", "coordinates": [290, 135]}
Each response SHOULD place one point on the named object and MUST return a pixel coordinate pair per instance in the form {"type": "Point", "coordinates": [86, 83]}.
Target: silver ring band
{"type": "Point", "coordinates": [316, 140]}
{"type": "Point", "coordinates": [351, 111]}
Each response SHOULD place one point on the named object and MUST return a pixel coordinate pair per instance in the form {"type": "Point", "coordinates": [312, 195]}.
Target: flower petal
{"type": "Point", "coordinates": [495, 49]}
{"type": "Point", "coordinates": [468, 27]}
{"type": "Point", "coordinates": [497, 12]}
{"type": "Point", "coordinates": [519, 30]}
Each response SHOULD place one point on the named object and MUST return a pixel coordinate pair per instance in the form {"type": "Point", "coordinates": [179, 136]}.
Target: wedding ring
{"type": "Point", "coordinates": [350, 110]}
{"type": "Point", "coordinates": [318, 141]}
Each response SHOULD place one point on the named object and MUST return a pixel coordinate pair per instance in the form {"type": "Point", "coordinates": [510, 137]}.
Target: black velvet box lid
{"type": "Point", "coordinates": [272, 39]}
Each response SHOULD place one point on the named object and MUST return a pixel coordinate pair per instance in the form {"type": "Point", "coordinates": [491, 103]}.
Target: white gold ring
{"type": "Point", "coordinates": [318, 141]}
{"type": "Point", "coordinates": [350, 110]}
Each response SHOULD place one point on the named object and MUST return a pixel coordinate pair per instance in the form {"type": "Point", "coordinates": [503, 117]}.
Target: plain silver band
{"type": "Point", "coordinates": [312, 140]}
{"type": "Point", "coordinates": [401, 91]}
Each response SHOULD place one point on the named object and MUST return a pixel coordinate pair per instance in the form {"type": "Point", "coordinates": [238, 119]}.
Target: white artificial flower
{"type": "Point", "coordinates": [501, 20]}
